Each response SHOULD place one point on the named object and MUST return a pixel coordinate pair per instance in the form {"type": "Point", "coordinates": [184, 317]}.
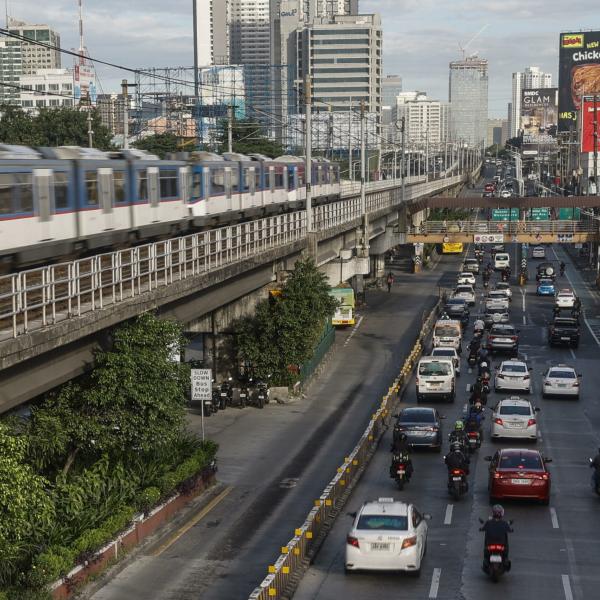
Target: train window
{"type": "Point", "coordinates": [235, 180]}
{"type": "Point", "coordinates": [301, 181]}
{"type": "Point", "coordinates": [257, 182]}
{"type": "Point", "coordinates": [23, 192]}
{"type": "Point", "coordinates": [91, 188]}
{"type": "Point", "coordinates": [246, 177]}
{"type": "Point", "coordinates": [279, 179]}
{"type": "Point", "coordinates": [142, 186]}
{"type": "Point", "coordinates": [6, 207]}
{"type": "Point", "coordinates": [197, 185]}
{"type": "Point", "coordinates": [267, 180]}
{"type": "Point", "coordinates": [61, 191]}
{"type": "Point", "coordinates": [217, 180]}
{"type": "Point", "coordinates": [168, 184]}
{"type": "Point", "coordinates": [119, 179]}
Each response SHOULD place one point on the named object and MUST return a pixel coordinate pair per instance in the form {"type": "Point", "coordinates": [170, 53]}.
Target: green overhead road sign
{"type": "Point", "coordinates": [505, 214]}
{"type": "Point", "coordinates": [539, 214]}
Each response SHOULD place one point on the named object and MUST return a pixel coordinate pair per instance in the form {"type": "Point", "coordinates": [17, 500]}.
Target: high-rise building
{"type": "Point", "coordinates": [11, 69]}
{"type": "Point", "coordinates": [426, 120]}
{"type": "Point", "coordinates": [48, 88]}
{"type": "Point", "coordinates": [33, 54]}
{"type": "Point", "coordinates": [111, 109]}
{"type": "Point", "coordinates": [329, 8]}
{"type": "Point", "coordinates": [212, 32]}
{"type": "Point", "coordinates": [494, 132]}
{"type": "Point", "coordinates": [391, 86]}
{"type": "Point", "coordinates": [468, 97]}
{"type": "Point", "coordinates": [531, 77]}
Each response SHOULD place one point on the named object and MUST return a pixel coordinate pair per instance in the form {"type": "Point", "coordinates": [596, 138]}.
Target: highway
{"type": "Point", "coordinates": [277, 461]}
{"type": "Point", "coordinates": [554, 549]}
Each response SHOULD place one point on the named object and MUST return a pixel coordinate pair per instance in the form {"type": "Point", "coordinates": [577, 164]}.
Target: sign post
{"type": "Point", "coordinates": [201, 389]}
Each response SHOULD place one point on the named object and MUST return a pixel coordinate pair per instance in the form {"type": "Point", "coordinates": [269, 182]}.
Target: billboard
{"type": "Point", "coordinates": [539, 117]}
{"type": "Point", "coordinates": [587, 134]}
{"type": "Point", "coordinates": [85, 84]}
{"type": "Point", "coordinates": [578, 74]}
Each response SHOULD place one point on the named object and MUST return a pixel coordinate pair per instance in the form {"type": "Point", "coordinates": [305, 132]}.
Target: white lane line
{"type": "Point", "coordinates": [523, 297]}
{"type": "Point", "coordinates": [554, 518]}
{"type": "Point", "coordinates": [360, 320]}
{"type": "Point", "coordinates": [566, 587]}
{"type": "Point", "coordinates": [572, 354]}
{"type": "Point", "coordinates": [524, 320]}
{"type": "Point", "coordinates": [435, 583]}
{"type": "Point", "coordinates": [448, 517]}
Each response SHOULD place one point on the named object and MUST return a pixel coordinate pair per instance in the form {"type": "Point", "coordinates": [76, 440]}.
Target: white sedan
{"type": "Point", "coordinates": [538, 252]}
{"type": "Point", "coordinates": [466, 279]}
{"type": "Point", "coordinates": [387, 535]}
{"type": "Point", "coordinates": [514, 417]}
{"type": "Point", "coordinates": [505, 194]}
{"type": "Point", "coordinates": [504, 287]}
{"type": "Point", "coordinates": [465, 292]}
{"type": "Point", "coordinates": [513, 375]}
{"type": "Point", "coordinates": [561, 380]}
{"type": "Point", "coordinates": [496, 299]}
{"type": "Point", "coordinates": [565, 299]}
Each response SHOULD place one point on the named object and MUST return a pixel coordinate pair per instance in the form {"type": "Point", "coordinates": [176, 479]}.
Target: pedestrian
{"type": "Point", "coordinates": [390, 281]}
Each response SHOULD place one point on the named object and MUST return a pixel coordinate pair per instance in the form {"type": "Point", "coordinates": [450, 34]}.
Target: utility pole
{"type": "Point", "coordinates": [308, 152]}
{"type": "Point", "coordinates": [363, 200]}
{"type": "Point", "coordinates": [596, 144]}
{"type": "Point", "coordinates": [403, 159]}
{"type": "Point", "coordinates": [330, 133]}
{"type": "Point", "coordinates": [125, 94]}
{"type": "Point", "coordinates": [90, 131]}
{"type": "Point", "coordinates": [350, 165]}
{"type": "Point", "coordinates": [427, 155]}
{"type": "Point", "coordinates": [230, 129]}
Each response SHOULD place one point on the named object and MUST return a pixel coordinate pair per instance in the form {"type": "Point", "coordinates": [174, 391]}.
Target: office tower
{"type": "Point", "coordinates": [426, 120]}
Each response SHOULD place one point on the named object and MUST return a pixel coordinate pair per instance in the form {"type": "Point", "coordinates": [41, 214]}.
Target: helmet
{"type": "Point", "coordinates": [497, 511]}
{"type": "Point", "coordinates": [483, 364]}
{"type": "Point", "coordinates": [459, 426]}
{"type": "Point", "coordinates": [478, 406]}
{"type": "Point", "coordinates": [402, 437]}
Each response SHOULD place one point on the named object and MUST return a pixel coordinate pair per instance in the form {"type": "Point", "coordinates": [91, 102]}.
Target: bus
{"type": "Point", "coordinates": [344, 313]}
{"type": "Point", "coordinates": [452, 248]}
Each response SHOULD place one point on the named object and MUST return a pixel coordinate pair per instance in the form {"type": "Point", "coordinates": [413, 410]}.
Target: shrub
{"type": "Point", "coordinates": [49, 566]}
{"type": "Point", "coordinates": [119, 521]}
{"type": "Point", "coordinates": [91, 540]}
{"type": "Point", "coordinates": [167, 483]}
{"type": "Point", "coordinates": [148, 498]}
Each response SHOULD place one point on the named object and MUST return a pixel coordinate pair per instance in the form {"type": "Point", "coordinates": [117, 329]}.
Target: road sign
{"type": "Point", "coordinates": [488, 238]}
{"type": "Point", "coordinates": [504, 214]}
{"type": "Point", "coordinates": [201, 385]}
{"type": "Point", "coordinates": [565, 237]}
{"type": "Point", "coordinates": [539, 214]}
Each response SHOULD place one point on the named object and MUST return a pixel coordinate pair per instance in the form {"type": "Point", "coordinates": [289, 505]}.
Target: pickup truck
{"type": "Point", "coordinates": [564, 330]}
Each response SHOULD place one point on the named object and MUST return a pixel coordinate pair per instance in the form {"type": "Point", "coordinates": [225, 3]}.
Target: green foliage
{"type": "Point", "coordinates": [148, 498]}
{"type": "Point", "coordinates": [25, 507]}
{"type": "Point", "coordinates": [159, 144]}
{"type": "Point", "coordinates": [282, 334]}
{"type": "Point", "coordinates": [49, 566]}
{"type": "Point", "coordinates": [51, 127]}
{"type": "Point", "coordinates": [248, 138]}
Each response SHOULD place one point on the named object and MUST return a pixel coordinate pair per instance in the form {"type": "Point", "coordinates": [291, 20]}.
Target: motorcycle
{"type": "Point", "coordinates": [400, 470]}
{"type": "Point", "coordinates": [595, 481]}
{"type": "Point", "coordinates": [485, 382]}
{"type": "Point", "coordinates": [474, 440]}
{"type": "Point", "coordinates": [261, 396]}
{"type": "Point", "coordinates": [486, 284]}
{"type": "Point", "coordinates": [225, 394]}
{"type": "Point", "coordinates": [244, 396]}
{"type": "Point", "coordinates": [495, 566]}
{"type": "Point", "coordinates": [457, 483]}
{"type": "Point", "coordinates": [472, 360]}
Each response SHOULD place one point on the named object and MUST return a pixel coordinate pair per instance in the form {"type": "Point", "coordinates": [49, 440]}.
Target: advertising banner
{"type": "Point", "coordinates": [539, 118]}
{"type": "Point", "coordinates": [488, 238]}
{"type": "Point", "coordinates": [85, 84]}
{"type": "Point", "coordinates": [587, 136]}
{"type": "Point", "coordinates": [578, 74]}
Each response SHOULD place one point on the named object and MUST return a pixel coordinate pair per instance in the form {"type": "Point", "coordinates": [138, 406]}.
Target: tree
{"type": "Point", "coordinates": [133, 401]}
{"type": "Point", "coordinates": [25, 505]}
{"type": "Point", "coordinates": [282, 334]}
{"type": "Point", "coordinates": [248, 138]}
{"type": "Point", "coordinates": [159, 144]}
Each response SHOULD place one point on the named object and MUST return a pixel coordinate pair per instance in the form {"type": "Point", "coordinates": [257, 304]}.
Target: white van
{"type": "Point", "coordinates": [501, 261]}
{"type": "Point", "coordinates": [435, 379]}
{"type": "Point", "coordinates": [448, 333]}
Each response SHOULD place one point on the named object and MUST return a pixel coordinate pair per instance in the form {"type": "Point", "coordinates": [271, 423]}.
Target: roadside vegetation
{"type": "Point", "coordinates": [92, 455]}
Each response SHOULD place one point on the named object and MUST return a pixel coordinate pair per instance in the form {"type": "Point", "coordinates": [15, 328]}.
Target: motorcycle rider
{"type": "Point", "coordinates": [478, 393]}
{"type": "Point", "coordinates": [496, 532]}
{"type": "Point", "coordinates": [474, 419]}
{"type": "Point", "coordinates": [479, 325]}
{"type": "Point", "coordinates": [458, 435]}
{"type": "Point", "coordinates": [401, 454]}
{"type": "Point", "coordinates": [456, 459]}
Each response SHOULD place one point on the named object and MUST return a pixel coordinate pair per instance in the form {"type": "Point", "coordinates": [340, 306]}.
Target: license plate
{"type": "Point", "coordinates": [514, 425]}
{"type": "Point", "coordinates": [401, 471]}
{"type": "Point", "coordinates": [435, 383]}
{"type": "Point", "coordinates": [566, 339]}
{"type": "Point", "coordinates": [562, 385]}
{"type": "Point", "coordinates": [379, 546]}
{"type": "Point", "coordinates": [419, 433]}
{"type": "Point", "coordinates": [503, 340]}
{"type": "Point", "coordinates": [520, 481]}
{"type": "Point", "coordinates": [496, 558]}
{"type": "Point", "coordinates": [457, 479]}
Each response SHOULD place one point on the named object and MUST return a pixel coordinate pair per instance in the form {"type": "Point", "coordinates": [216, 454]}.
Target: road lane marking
{"type": "Point", "coordinates": [435, 583]}
{"type": "Point", "coordinates": [197, 518]}
{"type": "Point", "coordinates": [354, 330]}
{"type": "Point", "coordinates": [554, 518]}
{"type": "Point", "coordinates": [523, 297]}
{"type": "Point", "coordinates": [448, 517]}
{"type": "Point", "coordinates": [572, 353]}
{"type": "Point", "coordinates": [524, 320]}
{"type": "Point", "coordinates": [566, 587]}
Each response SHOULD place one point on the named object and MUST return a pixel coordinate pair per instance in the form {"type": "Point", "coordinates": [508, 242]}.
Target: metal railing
{"type": "Point", "coordinates": [505, 227]}
{"type": "Point", "coordinates": [42, 297]}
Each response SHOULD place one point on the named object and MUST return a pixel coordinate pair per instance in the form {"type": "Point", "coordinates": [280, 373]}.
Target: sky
{"type": "Point", "coordinates": [420, 36]}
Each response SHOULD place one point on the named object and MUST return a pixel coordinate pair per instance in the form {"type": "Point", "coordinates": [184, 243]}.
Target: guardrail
{"type": "Point", "coordinates": [296, 554]}
{"type": "Point", "coordinates": [506, 227]}
{"type": "Point", "coordinates": [42, 297]}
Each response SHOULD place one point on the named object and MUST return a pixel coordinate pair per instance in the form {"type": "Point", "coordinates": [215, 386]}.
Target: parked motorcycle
{"type": "Point", "coordinates": [262, 394]}
{"type": "Point", "coordinates": [225, 394]}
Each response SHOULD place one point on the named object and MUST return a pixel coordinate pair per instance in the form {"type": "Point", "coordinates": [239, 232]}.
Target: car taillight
{"type": "Point", "coordinates": [531, 422]}
{"type": "Point", "coordinates": [495, 548]}
{"type": "Point", "coordinates": [352, 541]}
{"type": "Point", "coordinates": [409, 542]}
{"type": "Point", "coordinates": [417, 380]}
{"type": "Point", "coordinates": [545, 476]}
{"type": "Point", "coordinates": [525, 377]}
{"type": "Point", "coordinates": [500, 376]}
{"type": "Point", "coordinates": [491, 337]}
{"type": "Point", "coordinates": [497, 475]}
{"type": "Point", "coordinates": [576, 384]}
{"type": "Point", "coordinates": [498, 421]}
{"type": "Point", "coordinates": [514, 338]}
{"type": "Point", "coordinates": [456, 472]}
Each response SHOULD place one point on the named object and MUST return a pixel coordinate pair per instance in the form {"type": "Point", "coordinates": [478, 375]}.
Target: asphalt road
{"type": "Point", "coordinates": [278, 460]}
{"type": "Point", "coordinates": [555, 549]}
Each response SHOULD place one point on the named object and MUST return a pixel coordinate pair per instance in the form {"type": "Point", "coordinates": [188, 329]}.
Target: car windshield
{"type": "Point", "coordinates": [520, 461]}
{"type": "Point", "coordinates": [445, 331]}
{"type": "Point", "coordinates": [514, 369]}
{"type": "Point", "coordinates": [502, 286]}
{"type": "Point", "coordinates": [456, 302]}
{"type": "Point", "coordinates": [501, 256]}
{"type": "Point", "coordinates": [379, 522]}
{"type": "Point", "coordinates": [565, 322]}
{"type": "Point", "coordinates": [565, 295]}
{"type": "Point", "coordinates": [434, 368]}
{"type": "Point", "coordinates": [464, 288]}
{"type": "Point", "coordinates": [493, 295]}
{"type": "Point", "coordinates": [417, 416]}
{"type": "Point", "coordinates": [515, 410]}
{"type": "Point", "coordinates": [502, 331]}
{"type": "Point", "coordinates": [443, 352]}
{"type": "Point", "coordinates": [546, 282]}
{"type": "Point", "coordinates": [562, 374]}
{"type": "Point", "coordinates": [496, 311]}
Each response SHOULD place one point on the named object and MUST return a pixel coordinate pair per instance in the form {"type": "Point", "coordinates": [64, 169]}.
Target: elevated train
{"type": "Point", "coordinates": [65, 201]}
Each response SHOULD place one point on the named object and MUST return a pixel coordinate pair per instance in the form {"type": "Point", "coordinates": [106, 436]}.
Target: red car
{"type": "Point", "coordinates": [517, 473]}
{"type": "Point", "coordinates": [489, 187]}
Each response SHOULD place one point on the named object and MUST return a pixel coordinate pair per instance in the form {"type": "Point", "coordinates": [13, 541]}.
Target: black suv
{"type": "Point", "coordinates": [564, 330]}
{"type": "Point", "coordinates": [545, 270]}
{"type": "Point", "coordinates": [457, 308]}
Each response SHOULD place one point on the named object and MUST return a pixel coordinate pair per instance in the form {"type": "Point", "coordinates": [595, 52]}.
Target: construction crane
{"type": "Point", "coordinates": [463, 49]}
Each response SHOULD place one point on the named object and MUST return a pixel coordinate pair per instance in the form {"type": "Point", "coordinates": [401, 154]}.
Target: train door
{"type": "Point", "coordinates": [43, 197]}
{"type": "Point", "coordinates": [107, 198]}
{"type": "Point", "coordinates": [228, 201]}
{"type": "Point", "coordinates": [185, 196]}
{"type": "Point", "coordinates": [153, 194]}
